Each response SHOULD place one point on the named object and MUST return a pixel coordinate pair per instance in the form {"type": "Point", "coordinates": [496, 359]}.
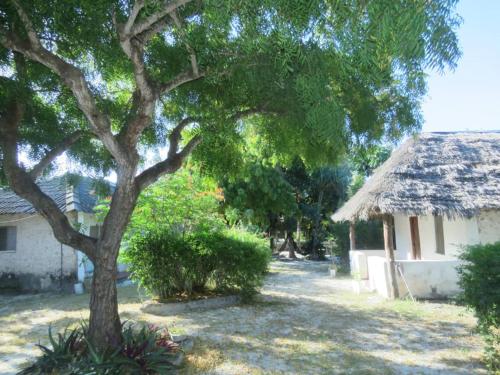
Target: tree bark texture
{"type": "Point", "coordinates": [315, 233]}
{"type": "Point", "coordinates": [290, 245]}
{"type": "Point", "coordinates": [104, 322]}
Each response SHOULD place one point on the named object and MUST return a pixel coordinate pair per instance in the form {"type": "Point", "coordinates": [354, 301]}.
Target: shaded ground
{"type": "Point", "coordinates": [304, 323]}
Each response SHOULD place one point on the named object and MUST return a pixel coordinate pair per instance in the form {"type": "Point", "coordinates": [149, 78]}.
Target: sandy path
{"type": "Point", "coordinates": [303, 323]}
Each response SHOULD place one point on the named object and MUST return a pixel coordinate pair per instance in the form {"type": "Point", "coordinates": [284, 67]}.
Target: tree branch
{"type": "Point", "coordinates": [176, 135]}
{"type": "Point", "coordinates": [138, 5]}
{"type": "Point", "coordinates": [28, 25]}
{"type": "Point", "coordinates": [23, 185]}
{"type": "Point", "coordinates": [192, 53]}
{"type": "Point", "coordinates": [168, 7]}
{"type": "Point", "coordinates": [73, 78]}
{"type": "Point", "coordinates": [174, 158]}
{"type": "Point", "coordinates": [145, 95]}
{"type": "Point", "coordinates": [179, 80]}
{"type": "Point", "coordinates": [169, 165]}
{"type": "Point", "coordinates": [49, 157]}
{"type": "Point", "coordinates": [252, 111]}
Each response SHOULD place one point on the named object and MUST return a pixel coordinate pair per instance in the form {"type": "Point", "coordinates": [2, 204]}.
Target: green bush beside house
{"type": "Point", "coordinates": [480, 281]}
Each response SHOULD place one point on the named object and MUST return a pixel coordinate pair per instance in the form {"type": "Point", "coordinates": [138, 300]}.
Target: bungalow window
{"type": "Point", "coordinates": [8, 238]}
{"type": "Point", "coordinates": [438, 229]}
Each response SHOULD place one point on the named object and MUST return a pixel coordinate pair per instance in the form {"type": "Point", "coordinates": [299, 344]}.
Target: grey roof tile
{"type": "Point", "coordinates": [83, 196]}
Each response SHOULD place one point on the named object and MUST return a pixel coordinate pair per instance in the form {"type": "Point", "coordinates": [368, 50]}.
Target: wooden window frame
{"type": "Point", "coordinates": [416, 251]}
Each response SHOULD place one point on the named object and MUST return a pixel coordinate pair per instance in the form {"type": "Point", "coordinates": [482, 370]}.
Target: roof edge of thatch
{"type": "Point", "coordinates": [422, 156]}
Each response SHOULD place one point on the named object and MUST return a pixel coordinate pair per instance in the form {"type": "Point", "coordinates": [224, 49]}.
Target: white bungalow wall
{"type": "Point", "coordinates": [489, 226]}
{"type": "Point", "coordinates": [484, 228]}
{"type": "Point", "coordinates": [36, 260]}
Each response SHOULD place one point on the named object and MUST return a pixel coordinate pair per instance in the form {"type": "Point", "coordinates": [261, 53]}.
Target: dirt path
{"type": "Point", "coordinates": [304, 323]}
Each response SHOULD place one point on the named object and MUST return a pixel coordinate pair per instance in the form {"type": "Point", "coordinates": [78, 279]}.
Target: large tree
{"type": "Point", "coordinates": [104, 80]}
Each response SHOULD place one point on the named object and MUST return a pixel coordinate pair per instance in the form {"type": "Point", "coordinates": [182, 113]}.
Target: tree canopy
{"type": "Point", "coordinates": [319, 71]}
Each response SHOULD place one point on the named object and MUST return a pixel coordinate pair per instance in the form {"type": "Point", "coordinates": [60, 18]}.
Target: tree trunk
{"type": "Point", "coordinates": [290, 243]}
{"type": "Point", "coordinates": [315, 232]}
{"type": "Point", "coordinates": [298, 233]}
{"type": "Point", "coordinates": [104, 324]}
{"type": "Point", "coordinates": [271, 242]}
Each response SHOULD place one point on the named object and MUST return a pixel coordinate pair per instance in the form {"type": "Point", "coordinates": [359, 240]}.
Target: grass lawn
{"type": "Point", "coordinates": [303, 323]}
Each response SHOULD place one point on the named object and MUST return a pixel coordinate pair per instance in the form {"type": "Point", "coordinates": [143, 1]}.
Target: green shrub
{"type": "Point", "coordinates": [480, 281]}
{"type": "Point", "coordinates": [147, 350]}
{"type": "Point", "coordinates": [168, 263]}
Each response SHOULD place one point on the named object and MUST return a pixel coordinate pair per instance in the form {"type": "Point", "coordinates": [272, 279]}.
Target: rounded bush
{"type": "Point", "coordinates": [169, 263]}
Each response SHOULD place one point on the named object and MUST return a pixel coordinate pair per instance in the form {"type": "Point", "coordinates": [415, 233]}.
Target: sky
{"type": "Point", "coordinates": [468, 98]}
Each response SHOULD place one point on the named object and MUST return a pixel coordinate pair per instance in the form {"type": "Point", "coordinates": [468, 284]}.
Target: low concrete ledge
{"type": "Point", "coordinates": [172, 308]}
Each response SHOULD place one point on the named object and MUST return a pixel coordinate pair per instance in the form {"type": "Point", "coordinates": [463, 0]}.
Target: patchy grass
{"type": "Point", "coordinates": [303, 323]}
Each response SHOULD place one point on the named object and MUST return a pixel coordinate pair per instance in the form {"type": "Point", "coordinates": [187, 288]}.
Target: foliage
{"type": "Point", "coordinates": [184, 202]}
{"type": "Point", "coordinates": [480, 281]}
{"type": "Point", "coordinates": [148, 350]}
{"type": "Point", "coordinates": [363, 161]}
{"type": "Point", "coordinates": [316, 72]}
{"type": "Point", "coordinates": [167, 263]}
{"type": "Point", "coordinates": [281, 197]}
{"type": "Point", "coordinates": [259, 194]}
{"type": "Point", "coordinates": [369, 236]}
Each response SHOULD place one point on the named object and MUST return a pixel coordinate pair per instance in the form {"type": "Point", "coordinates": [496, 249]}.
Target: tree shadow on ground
{"type": "Point", "coordinates": [296, 330]}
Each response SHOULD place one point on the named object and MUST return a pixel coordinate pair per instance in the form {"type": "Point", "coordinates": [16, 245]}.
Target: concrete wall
{"type": "Point", "coordinates": [457, 233]}
{"type": "Point", "coordinates": [428, 279]}
{"type": "Point", "coordinates": [489, 226]}
{"type": "Point", "coordinates": [36, 262]}
{"type": "Point", "coordinates": [435, 276]}
{"type": "Point", "coordinates": [359, 261]}
{"type": "Point", "coordinates": [379, 275]}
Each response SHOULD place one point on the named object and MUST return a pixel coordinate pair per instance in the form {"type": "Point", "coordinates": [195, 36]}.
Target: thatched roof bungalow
{"type": "Point", "coordinates": [436, 193]}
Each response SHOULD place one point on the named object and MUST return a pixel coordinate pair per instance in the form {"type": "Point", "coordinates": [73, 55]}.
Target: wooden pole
{"type": "Point", "coordinates": [389, 255]}
{"type": "Point", "coordinates": [352, 235]}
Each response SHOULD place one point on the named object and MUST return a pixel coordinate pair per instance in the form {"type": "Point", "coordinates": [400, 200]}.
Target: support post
{"type": "Point", "coordinates": [389, 255]}
{"type": "Point", "coordinates": [352, 236]}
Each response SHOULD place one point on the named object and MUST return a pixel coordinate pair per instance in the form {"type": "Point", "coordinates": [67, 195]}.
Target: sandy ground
{"type": "Point", "coordinates": [303, 323]}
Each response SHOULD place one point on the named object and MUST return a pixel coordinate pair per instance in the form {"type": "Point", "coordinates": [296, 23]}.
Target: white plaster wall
{"type": "Point", "coordinates": [379, 275]}
{"type": "Point", "coordinates": [427, 238]}
{"type": "Point", "coordinates": [403, 236]}
{"type": "Point", "coordinates": [359, 261]}
{"type": "Point", "coordinates": [489, 226]}
{"type": "Point", "coordinates": [457, 233]}
{"type": "Point", "coordinates": [38, 252]}
{"type": "Point", "coordinates": [425, 279]}
{"type": "Point", "coordinates": [429, 278]}
{"type": "Point", "coordinates": [358, 265]}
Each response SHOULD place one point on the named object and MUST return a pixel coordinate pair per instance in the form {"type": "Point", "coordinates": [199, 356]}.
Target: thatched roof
{"type": "Point", "coordinates": [449, 174]}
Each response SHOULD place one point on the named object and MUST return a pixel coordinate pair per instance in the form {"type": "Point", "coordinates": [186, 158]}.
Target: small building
{"type": "Point", "coordinates": [31, 258]}
{"type": "Point", "coordinates": [436, 193]}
